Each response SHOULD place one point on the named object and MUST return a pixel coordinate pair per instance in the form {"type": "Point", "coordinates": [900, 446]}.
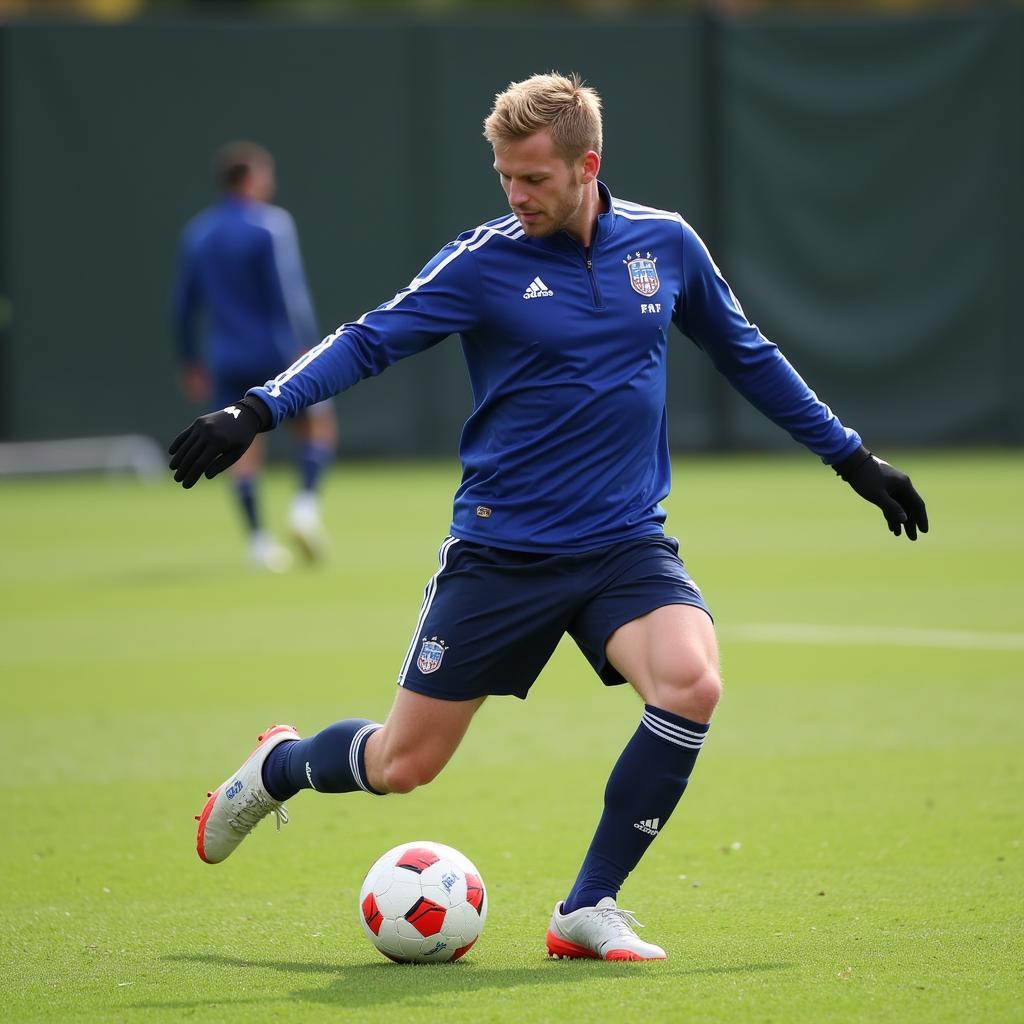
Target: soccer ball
{"type": "Point", "coordinates": [423, 903]}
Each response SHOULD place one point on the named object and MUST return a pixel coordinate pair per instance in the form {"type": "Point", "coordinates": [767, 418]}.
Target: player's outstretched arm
{"type": "Point", "coordinates": [885, 486]}
{"type": "Point", "coordinates": [213, 442]}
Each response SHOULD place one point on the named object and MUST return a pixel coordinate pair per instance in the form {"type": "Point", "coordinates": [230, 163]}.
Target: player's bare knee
{"type": "Point", "coordinates": [404, 774]}
{"type": "Point", "coordinates": [691, 690]}
{"type": "Point", "coordinates": [400, 777]}
{"type": "Point", "coordinates": [396, 782]}
{"type": "Point", "coordinates": [706, 693]}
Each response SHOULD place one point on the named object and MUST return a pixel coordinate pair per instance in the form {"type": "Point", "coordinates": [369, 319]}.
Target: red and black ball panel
{"type": "Point", "coordinates": [371, 914]}
{"type": "Point", "coordinates": [426, 916]}
{"type": "Point", "coordinates": [475, 892]}
{"type": "Point", "coordinates": [417, 859]}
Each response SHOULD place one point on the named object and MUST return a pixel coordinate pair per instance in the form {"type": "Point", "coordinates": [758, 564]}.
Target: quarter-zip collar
{"type": "Point", "coordinates": [562, 241]}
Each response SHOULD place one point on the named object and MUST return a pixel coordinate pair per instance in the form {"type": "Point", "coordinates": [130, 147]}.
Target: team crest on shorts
{"type": "Point", "coordinates": [643, 273]}
{"type": "Point", "coordinates": [431, 654]}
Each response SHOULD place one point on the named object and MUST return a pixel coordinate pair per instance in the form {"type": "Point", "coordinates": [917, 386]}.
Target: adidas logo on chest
{"type": "Point", "coordinates": [537, 289]}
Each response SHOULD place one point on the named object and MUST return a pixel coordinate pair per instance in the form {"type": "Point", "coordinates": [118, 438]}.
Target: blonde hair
{"type": "Point", "coordinates": [570, 109]}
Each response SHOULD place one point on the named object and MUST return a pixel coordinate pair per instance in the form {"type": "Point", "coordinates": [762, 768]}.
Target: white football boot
{"type": "Point", "coordinates": [604, 932]}
{"type": "Point", "coordinates": [266, 553]}
{"type": "Point", "coordinates": [307, 527]}
{"type": "Point", "coordinates": [238, 805]}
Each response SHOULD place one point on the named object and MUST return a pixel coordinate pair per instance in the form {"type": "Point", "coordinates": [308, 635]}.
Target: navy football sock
{"type": "Point", "coordinates": [245, 491]}
{"type": "Point", "coordinates": [312, 458]}
{"type": "Point", "coordinates": [644, 787]}
{"type": "Point", "coordinates": [332, 761]}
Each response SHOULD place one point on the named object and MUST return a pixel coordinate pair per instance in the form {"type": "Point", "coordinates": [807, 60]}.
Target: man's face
{"type": "Point", "coordinates": [262, 182]}
{"type": "Point", "coordinates": [544, 191]}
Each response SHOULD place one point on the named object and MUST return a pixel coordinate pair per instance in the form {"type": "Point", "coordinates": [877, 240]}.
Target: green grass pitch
{"type": "Point", "coordinates": [849, 849]}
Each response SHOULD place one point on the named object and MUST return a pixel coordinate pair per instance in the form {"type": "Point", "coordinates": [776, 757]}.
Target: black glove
{"type": "Point", "coordinates": [213, 442]}
{"type": "Point", "coordinates": [885, 486]}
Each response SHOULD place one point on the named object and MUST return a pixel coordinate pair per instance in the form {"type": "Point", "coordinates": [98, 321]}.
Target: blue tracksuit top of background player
{"type": "Point", "coordinates": [239, 260]}
{"type": "Point", "coordinates": [567, 448]}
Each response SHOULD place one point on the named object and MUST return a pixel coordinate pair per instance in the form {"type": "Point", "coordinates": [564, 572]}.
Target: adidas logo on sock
{"type": "Point", "coordinates": [648, 825]}
{"type": "Point", "coordinates": [537, 290]}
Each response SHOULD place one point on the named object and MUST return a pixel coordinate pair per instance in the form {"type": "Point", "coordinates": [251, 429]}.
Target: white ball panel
{"type": "Point", "coordinates": [412, 949]}
{"type": "Point", "coordinates": [387, 938]}
{"type": "Point", "coordinates": [462, 924]}
{"type": "Point", "coordinates": [398, 899]}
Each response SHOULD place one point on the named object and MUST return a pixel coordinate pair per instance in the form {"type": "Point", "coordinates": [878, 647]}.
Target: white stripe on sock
{"type": "Point", "coordinates": [679, 730]}
{"type": "Point", "coordinates": [353, 756]}
{"type": "Point", "coordinates": [656, 726]}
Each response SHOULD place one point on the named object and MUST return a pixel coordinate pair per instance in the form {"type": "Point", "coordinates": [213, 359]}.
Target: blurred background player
{"type": "Point", "coordinates": [239, 262]}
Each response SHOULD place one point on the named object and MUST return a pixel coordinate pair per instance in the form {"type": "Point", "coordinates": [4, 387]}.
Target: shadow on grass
{"type": "Point", "coordinates": [380, 984]}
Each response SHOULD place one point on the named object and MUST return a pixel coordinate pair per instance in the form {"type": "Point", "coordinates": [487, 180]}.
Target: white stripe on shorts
{"type": "Point", "coordinates": [428, 597]}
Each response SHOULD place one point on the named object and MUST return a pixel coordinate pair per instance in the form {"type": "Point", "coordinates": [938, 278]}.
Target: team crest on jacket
{"type": "Point", "coordinates": [431, 653]}
{"type": "Point", "coordinates": [643, 273]}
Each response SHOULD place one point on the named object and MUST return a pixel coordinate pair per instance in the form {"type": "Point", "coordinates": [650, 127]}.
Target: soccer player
{"type": "Point", "coordinates": [564, 309]}
{"type": "Point", "coordinates": [239, 260]}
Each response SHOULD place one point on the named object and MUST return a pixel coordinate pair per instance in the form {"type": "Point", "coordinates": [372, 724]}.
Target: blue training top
{"type": "Point", "coordinates": [240, 260]}
{"type": "Point", "coordinates": [566, 449]}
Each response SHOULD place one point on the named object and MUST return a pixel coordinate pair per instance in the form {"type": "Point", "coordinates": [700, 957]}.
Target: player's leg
{"type": "Point", "coordinates": [465, 645]}
{"type": "Point", "coordinates": [670, 656]}
{"type": "Point", "coordinates": [243, 476]}
{"type": "Point", "coordinates": [315, 438]}
{"type": "Point", "coordinates": [418, 739]}
{"type": "Point", "coordinates": [415, 742]}
{"type": "Point", "coordinates": [264, 551]}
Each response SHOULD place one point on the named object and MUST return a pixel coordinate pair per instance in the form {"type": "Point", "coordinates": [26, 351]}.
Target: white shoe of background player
{"type": "Point", "coordinates": [603, 932]}
{"type": "Point", "coordinates": [307, 527]}
{"type": "Point", "coordinates": [266, 553]}
{"type": "Point", "coordinates": [241, 802]}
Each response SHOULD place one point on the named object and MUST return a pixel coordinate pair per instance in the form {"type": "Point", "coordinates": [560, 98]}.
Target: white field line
{"type": "Point", "coordinates": [878, 636]}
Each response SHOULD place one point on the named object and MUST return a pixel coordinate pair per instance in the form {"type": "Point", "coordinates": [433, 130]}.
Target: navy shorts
{"type": "Point", "coordinates": [491, 618]}
{"type": "Point", "coordinates": [228, 388]}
